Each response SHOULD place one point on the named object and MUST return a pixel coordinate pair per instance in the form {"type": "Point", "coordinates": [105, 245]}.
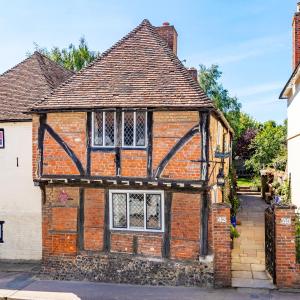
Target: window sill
{"type": "Point", "coordinates": [135, 231]}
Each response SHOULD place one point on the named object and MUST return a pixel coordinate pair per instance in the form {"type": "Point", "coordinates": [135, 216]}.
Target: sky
{"type": "Point", "coordinates": [251, 41]}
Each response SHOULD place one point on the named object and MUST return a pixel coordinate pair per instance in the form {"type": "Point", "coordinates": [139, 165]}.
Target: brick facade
{"type": "Point", "coordinates": [286, 267]}
{"type": "Point", "coordinates": [221, 244]}
{"type": "Point", "coordinates": [75, 211]}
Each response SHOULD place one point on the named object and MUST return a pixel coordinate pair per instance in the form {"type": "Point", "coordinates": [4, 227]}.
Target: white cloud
{"type": "Point", "coordinates": [258, 89]}
{"type": "Point", "coordinates": [237, 52]}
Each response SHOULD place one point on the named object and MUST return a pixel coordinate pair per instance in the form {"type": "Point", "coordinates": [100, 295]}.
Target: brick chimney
{"type": "Point", "coordinates": [296, 37]}
{"type": "Point", "coordinates": [169, 34]}
{"type": "Point", "coordinates": [193, 72]}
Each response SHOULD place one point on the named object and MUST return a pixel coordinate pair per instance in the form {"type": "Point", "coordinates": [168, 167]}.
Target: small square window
{"type": "Point", "coordinates": [2, 144]}
{"type": "Point", "coordinates": [104, 128]}
{"type": "Point", "coordinates": [134, 128]}
{"type": "Point", "coordinates": [136, 210]}
{"type": "Point", "coordinates": [1, 231]}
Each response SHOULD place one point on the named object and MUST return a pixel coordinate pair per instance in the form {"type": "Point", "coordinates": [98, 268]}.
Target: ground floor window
{"type": "Point", "coordinates": [136, 210]}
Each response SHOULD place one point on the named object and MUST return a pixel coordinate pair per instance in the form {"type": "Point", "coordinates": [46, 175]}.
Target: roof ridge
{"type": "Point", "coordinates": [104, 54]}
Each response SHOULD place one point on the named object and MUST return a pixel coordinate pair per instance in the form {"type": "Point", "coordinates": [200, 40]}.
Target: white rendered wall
{"type": "Point", "coordinates": [20, 200]}
{"type": "Point", "coordinates": [294, 145]}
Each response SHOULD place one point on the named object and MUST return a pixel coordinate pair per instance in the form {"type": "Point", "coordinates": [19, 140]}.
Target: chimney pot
{"type": "Point", "coordinates": [168, 24]}
{"type": "Point", "coordinates": [298, 7]}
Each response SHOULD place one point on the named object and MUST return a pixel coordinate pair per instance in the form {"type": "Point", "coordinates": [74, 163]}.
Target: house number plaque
{"type": "Point", "coordinates": [285, 221]}
{"type": "Point", "coordinates": [221, 219]}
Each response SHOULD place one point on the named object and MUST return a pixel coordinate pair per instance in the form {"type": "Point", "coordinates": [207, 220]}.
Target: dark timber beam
{"type": "Point", "coordinates": [205, 135]}
{"type": "Point", "coordinates": [66, 148]}
{"type": "Point", "coordinates": [166, 238]}
{"type": "Point", "coordinates": [150, 143]}
{"type": "Point", "coordinates": [88, 142]}
{"type": "Point", "coordinates": [106, 233]}
{"type": "Point", "coordinates": [80, 220]}
{"type": "Point", "coordinates": [118, 141]}
{"type": "Point", "coordinates": [176, 148]}
{"type": "Point", "coordinates": [41, 136]}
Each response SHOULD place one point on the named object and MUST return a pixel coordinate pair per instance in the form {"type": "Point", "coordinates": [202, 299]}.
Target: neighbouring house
{"type": "Point", "coordinates": [124, 152]}
{"type": "Point", "coordinates": [20, 200]}
{"type": "Point", "coordinates": [291, 93]}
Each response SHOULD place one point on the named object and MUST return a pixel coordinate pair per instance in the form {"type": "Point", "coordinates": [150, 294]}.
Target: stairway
{"type": "Point", "coordinates": [248, 254]}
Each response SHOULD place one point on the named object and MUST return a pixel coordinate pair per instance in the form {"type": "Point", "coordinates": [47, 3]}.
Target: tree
{"type": "Point", "coordinates": [243, 147]}
{"type": "Point", "coordinates": [72, 58]}
{"type": "Point", "coordinates": [269, 147]}
{"type": "Point", "coordinates": [209, 81]}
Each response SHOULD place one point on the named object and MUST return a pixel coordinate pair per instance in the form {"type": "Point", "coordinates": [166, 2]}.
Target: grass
{"type": "Point", "coordinates": [244, 182]}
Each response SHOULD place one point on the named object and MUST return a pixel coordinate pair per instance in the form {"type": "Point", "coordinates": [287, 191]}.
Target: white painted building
{"type": "Point", "coordinates": [20, 200]}
{"type": "Point", "coordinates": [291, 92]}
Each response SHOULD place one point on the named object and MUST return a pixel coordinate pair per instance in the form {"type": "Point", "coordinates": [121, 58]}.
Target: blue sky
{"type": "Point", "coordinates": [250, 40]}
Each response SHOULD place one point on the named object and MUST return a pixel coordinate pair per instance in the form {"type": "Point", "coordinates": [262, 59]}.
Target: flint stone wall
{"type": "Point", "coordinates": [120, 268]}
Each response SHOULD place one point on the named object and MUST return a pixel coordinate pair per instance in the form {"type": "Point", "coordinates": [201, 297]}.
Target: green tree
{"type": "Point", "coordinates": [72, 58]}
{"type": "Point", "coordinates": [209, 81]}
{"type": "Point", "coordinates": [269, 147]}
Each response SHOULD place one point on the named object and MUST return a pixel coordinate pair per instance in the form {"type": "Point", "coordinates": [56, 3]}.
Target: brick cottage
{"type": "Point", "coordinates": [124, 153]}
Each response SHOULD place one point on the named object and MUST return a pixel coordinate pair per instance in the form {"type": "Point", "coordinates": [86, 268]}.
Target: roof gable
{"type": "Point", "coordinates": [29, 81]}
{"type": "Point", "coordinates": [138, 71]}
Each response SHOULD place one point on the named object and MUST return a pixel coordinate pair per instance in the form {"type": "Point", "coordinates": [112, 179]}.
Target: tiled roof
{"type": "Point", "coordinates": [29, 81]}
{"type": "Point", "coordinates": [138, 71]}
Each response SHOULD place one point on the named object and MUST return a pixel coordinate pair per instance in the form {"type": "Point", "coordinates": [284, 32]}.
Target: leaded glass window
{"type": "Point", "coordinates": [104, 129]}
{"type": "Point", "coordinates": [134, 128]}
{"type": "Point", "coordinates": [136, 210]}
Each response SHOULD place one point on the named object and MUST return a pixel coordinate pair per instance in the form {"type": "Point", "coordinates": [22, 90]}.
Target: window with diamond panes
{"type": "Point", "coordinates": [104, 129]}
{"type": "Point", "coordinates": [136, 210]}
{"type": "Point", "coordinates": [119, 208]}
{"type": "Point", "coordinates": [153, 211]}
{"type": "Point", "coordinates": [134, 128]}
{"type": "Point", "coordinates": [140, 211]}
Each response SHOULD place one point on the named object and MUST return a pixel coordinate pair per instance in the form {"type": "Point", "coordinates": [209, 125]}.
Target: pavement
{"type": "Point", "coordinates": [248, 254]}
{"type": "Point", "coordinates": [24, 285]}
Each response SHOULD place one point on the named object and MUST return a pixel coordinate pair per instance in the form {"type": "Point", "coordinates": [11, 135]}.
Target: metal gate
{"type": "Point", "coordinates": [270, 248]}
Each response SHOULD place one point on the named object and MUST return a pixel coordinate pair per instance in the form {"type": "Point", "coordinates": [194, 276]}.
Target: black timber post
{"type": "Point", "coordinates": [41, 136]}
{"type": "Point", "coordinates": [205, 135]}
{"type": "Point", "coordinates": [167, 233]}
{"type": "Point", "coordinates": [80, 222]}
{"type": "Point", "coordinates": [150, 142]}
{"type": "Point", "coordinates": [88, 142]}
{"type": "Point", "coordinates": [106, 234]}
{"type": "Point", "coordinates": [118, 141]}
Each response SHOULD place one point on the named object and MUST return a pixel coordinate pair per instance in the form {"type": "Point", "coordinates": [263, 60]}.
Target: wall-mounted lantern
{"type": "Point", "coordinates": [221, 178]}
{"type": "Point", "coordinates": [1, 231]}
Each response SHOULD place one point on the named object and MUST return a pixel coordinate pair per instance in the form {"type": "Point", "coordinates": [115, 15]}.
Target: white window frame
{"type": "Point", "coordinates": [103, 129]}
{"type": "Point", "coordinates": [134, 146]}
{"type": "Point", "coordinates": [145, 192]}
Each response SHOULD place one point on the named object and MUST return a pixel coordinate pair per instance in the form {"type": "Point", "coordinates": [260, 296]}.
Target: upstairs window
{"type": "Point", "coordinates": [136, 210]}
{"type": "Point", "coordinates": [103, 129]}
{"type": "Point", "coordinates": [134, 129]}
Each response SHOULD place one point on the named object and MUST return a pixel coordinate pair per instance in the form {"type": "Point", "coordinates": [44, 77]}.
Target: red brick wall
{"type": "Point", "coordinates": [35, 151]}
{"type": "Point", "coordinates": [182, 166]}
{"type": "Point", "coordinates": [185, 226]}
{"type": "Point", "coordinates": [103, 164]}
{"type": "Point", "coordinates": [168, 129]}
{"type": "Point", "coordinates": [221, 244]}
{"type": "Point", "coordinates": [60, 222]}
{"type": "Point", "coordinates": [56, 160]}
{"type": "Point", "coordinates": [94, 208]}
{"type": "Point", "coordinates": [148, 244]}
{"type": "Point", "coordinates": [60, 226]}
{"type": "Point", "coordinates": [134, 163]}
{"type": "Point", "coordinates": [296, 40]}
{"type": "Point", "coordinates": [287, 269]}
